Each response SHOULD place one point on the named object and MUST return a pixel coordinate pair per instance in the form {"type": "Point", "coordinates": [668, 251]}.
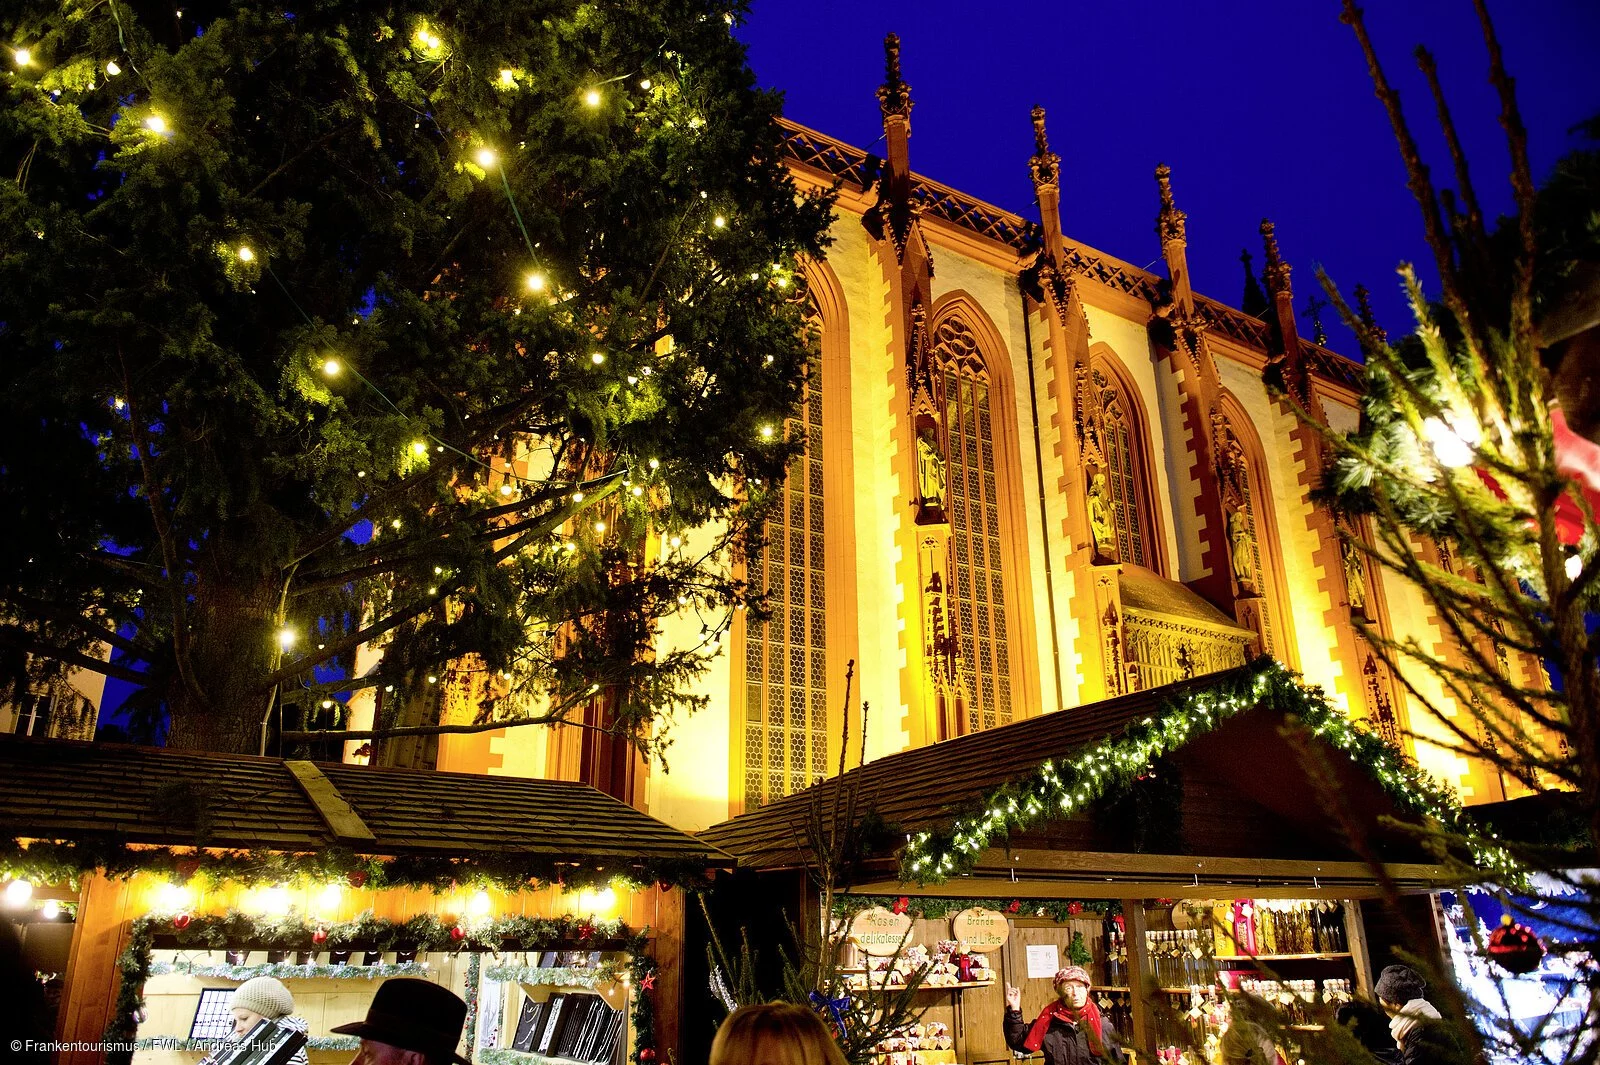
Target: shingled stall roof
{"type": "Point", "coordinates": [64, 791]}
{"type": "Point", "coordinates": [1241, 806]}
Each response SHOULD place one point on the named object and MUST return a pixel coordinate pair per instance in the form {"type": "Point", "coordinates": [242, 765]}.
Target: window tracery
{"type": "Point", "coordinates": [978, 587]}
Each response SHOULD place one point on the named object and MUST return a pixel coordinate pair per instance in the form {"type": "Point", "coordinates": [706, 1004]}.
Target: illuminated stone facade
{"type": "Point", "coordinates": [1036, 477]}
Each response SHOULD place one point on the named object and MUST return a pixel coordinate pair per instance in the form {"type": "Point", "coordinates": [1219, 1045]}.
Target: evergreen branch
{"type": "Point", "coordinates": [22, 640]}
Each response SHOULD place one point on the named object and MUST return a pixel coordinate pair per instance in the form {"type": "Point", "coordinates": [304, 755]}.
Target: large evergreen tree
{"type": "Point", "coordinates": [282, 292]}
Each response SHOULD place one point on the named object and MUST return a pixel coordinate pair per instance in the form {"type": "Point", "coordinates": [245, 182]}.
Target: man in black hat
{"type": "Point", "coordinates": [410, 1022]}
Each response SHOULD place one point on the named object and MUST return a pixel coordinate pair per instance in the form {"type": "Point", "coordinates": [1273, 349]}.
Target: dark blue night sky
{"type": "Point", "coordinates": [1262, 109]}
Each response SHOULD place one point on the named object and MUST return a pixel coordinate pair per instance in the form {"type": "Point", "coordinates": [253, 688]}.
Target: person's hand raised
{"type": "Point", "coordinates": [1013, 998]}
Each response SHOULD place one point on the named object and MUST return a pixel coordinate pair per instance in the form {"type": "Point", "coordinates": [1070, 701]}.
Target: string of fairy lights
{"type": "Point", "coordinates": [1058, 789]}
{"type": "Point", "coordinates": [428, 45]}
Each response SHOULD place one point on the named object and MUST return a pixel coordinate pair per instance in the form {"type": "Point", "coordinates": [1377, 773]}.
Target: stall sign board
{"type": "Point", "coordinates": [878, 932]}
{"type": "Point", "coordinates": [982, 929]}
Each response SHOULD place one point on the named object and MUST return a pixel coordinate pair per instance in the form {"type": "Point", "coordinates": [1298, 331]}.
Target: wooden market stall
{"type": "Point", "coordinates": [1187, 838]}
{"type": "Point", "coordinates": [539, 902]}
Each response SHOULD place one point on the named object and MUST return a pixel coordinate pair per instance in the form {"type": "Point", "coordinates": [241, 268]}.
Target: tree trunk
{"type": "Point", "coordinates": [233, 648]}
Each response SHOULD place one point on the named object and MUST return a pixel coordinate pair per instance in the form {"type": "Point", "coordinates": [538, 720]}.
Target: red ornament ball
{"type": "Point", "coordinates": [647, 1054]}
{"type": "Point", "coordinates": [319, 936]}
{"type": "Point", "coordinates": [457, 932]}
{"type": "Point", "coordinates": [181, 921]}
{"type": "Point", "coordinates": [1074, 908]}
{"type": "Point", "coordinates": [357, 878]}
{"type": "Point", "coordinates": [1514, 947]}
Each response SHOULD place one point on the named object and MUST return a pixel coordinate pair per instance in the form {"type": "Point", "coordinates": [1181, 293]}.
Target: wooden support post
{"type": "Point", "coordinates": [668, 943]}
{"type": "Point", "coordinates": [1355, 935]}
{"type": "Point", "coordinates": [90, 994]}
{"type": "Point", "coordinates": [1140, 978]}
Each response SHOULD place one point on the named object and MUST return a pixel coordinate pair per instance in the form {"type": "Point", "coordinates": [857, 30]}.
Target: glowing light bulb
{"type": "Point", "coordinates": [676, 541]}
{"type": "Point", "coordinates": [505, 489]}
{"type": "Point", "coordinates": [1574, 566]}
{"type": "Point", "coordinates": [597, 358]}
{"type": "Point", "coordinates": [432, 679]}
{"type": "Point", "coordinates": [767, 432]}
{"type": "Point", "coordinates": [286, 638]}
{"type": "Point", "coordinates": [112, 70]}
{"type": "Point", "coordinates": [637, 490]}
{"type": "Point", "coordinates": [486, 157]}
{"type": "Point", "coordinates": [536, 282]}
{"type": "Point", "coordinates": [644, 83]}
{"type": "Point", "coordinates": [155, 124]}
{"type": "Point", "coordinates": [18, 892]}
{"type": "Point", "coordinates": [274, 901]}
{"type": "Point", "coordinates": [508, 77]}
{"type": "Point", "coordinates": [1448, 447]}
{"type": "Point", "coordinates": [23, 57]}
{"type": "Point", "coordinates": [479, 905]}
{"type": "Point", "coordinates": [597, 902]}
{"type": "Point", "coordinates": [331, 367]}
{"type": "Point", "coordinates": [50, 910]}
{"type": "Point", "coordinates": [328, 898]}
{"type": "Point", "coordinates": [246, 254]}
{"type": "Point", "coordinates": [719, 221]}
{"type": "Point", "coordinates": [600, 527]}
{"type": "Point", "coordinates": [419, 447]}
{"type": "Point", "coordinates": [655, 464]}
{"type": "Point", "coordinates": [577, 497]}
{"type": "Point", "coordinates": [592, 97]}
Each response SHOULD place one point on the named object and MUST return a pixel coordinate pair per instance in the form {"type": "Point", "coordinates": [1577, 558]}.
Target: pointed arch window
{"type": "Point", "coordinates": [786, 658]}
{"type": "Point", "coordinates": [1123, 447]}
{"type": "Point", "coordinates": [978, 587]}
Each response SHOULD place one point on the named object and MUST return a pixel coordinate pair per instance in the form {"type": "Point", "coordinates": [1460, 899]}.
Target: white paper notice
{"type": "Point", "coordinates": [1041, 961]}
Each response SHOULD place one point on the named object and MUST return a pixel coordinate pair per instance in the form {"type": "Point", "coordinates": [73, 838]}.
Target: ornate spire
{"type": "Point", "coordinates": [1171, 223]}
{"type": "Point", "coordinates": [1044, 163]}
{"type": "Point", "coordinates": [894, 96]}
{"type": "Point", "coordinates": [1276, 271]}
{"type": "Point", "coordinates": [1254, 302]}
{"type": "Point", "coordinates": [1369, 321]}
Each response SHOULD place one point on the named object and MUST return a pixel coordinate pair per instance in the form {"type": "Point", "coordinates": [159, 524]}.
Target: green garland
{"type": "Point", "coordinates": [424, 933]}
{"type": "Point", "coordinates": [1058, 790]}
{"type": "Point", "coordinates": [285, 971]}
{"type": "Point", "coordinates": [554, 976]}
{"type": "Point", "coordinates": [64, 862]}
{"type": "Point", "coordinates": [928, 907]}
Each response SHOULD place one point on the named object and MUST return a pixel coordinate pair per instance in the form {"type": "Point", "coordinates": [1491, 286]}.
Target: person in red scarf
{"type": "Point", "coordinates": [1069, 1030]}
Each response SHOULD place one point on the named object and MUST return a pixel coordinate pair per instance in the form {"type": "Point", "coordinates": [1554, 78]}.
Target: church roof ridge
{"type": "Point", "coordinates": [829, 155]}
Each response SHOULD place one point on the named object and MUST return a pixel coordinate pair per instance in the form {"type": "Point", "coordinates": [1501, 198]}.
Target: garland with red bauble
{"type": "Point", "coordinates": [1514, 947]}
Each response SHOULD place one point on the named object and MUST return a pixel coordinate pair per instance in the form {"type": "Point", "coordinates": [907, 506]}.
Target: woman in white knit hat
{"type": "Point", "coordinates": [255, 1000]}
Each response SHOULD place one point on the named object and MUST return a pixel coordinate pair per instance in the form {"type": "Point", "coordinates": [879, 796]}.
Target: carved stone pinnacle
{"type": "Point", "coordinates": [894, 96]}
{"type": "Point", "coordinates": [1044, 164]}
{"type": "Point", "coordinates": [1171, 223]}
{"type": "Point", "coordinates": [1276, 270]}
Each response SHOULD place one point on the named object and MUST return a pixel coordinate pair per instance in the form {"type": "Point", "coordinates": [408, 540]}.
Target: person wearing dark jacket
{"type": "Point", "coordinates": [1069, 1030]}
{"type": "Point", "coordinates": [1420, 1034]}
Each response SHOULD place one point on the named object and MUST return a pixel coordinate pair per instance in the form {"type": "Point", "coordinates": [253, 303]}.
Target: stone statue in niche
{"type": "Point", "coordinates": [1243, 544]}
{"type": "Point", "coordinates": [931, 483]}
{"type": "Point", "coordinates": [1101, 526]}
{"type": "Point", "coordinates": [1355, 577]}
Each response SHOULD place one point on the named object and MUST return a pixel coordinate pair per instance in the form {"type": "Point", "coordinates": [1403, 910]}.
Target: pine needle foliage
{"type": "Point", "coordinates": [413, 328]}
